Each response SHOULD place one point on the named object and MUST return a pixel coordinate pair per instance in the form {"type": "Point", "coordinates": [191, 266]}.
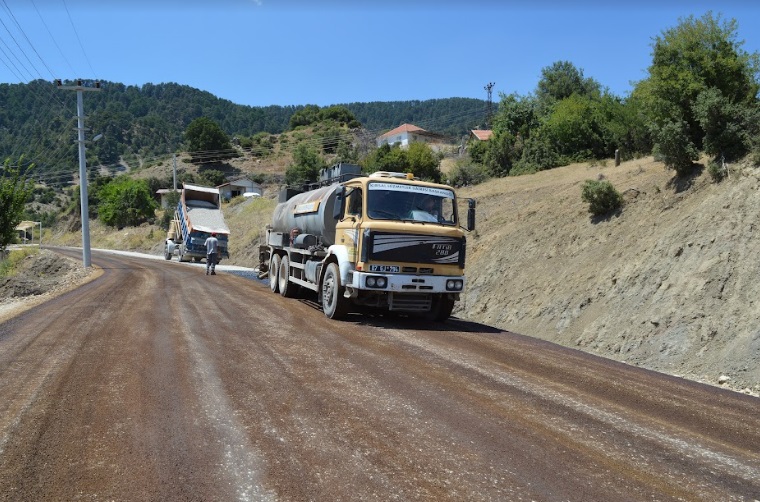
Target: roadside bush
{"type": "Point", "coordinates": [9, 263]}
{"type": "Point", "coordinates": [716, 170]}
{"type": "Point", "coordinates": [601, 197]}
{"type": "Point", "coordinates": [466, 175]}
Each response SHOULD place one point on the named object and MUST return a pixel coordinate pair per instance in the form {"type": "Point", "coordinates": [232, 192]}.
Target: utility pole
{"type": "Point", "coordinates": [174, 170]}
{"type": "Point", "coordinates": [489, 105]}
{"type": "Point", "coordinates": [80, 88]}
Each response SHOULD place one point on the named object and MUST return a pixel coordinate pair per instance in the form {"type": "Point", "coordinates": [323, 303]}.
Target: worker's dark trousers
{"type": "Point", "coordinates": [210, 262]}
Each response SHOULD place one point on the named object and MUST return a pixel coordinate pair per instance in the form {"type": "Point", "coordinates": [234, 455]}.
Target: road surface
{"type": "Point", "coordinates": [156, 382]}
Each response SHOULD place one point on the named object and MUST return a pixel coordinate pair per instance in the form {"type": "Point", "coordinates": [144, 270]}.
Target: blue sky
{"type": "Point", "coordinates": [296, 52]}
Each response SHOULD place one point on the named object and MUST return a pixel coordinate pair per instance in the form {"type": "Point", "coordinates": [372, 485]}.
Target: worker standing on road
{"type": "Point", "coordinates": [212, 246]}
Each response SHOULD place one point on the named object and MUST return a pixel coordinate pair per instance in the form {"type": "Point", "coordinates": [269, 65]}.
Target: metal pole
{"type": "Point", "coordinates": [80, 88]}
{"type": "Point", "coordinates": [83, 182]}
{"type": "Point", "coordinates": [174, 162]}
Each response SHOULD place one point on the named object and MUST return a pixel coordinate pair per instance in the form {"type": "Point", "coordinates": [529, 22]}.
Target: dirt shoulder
{"type": "Point", "coordinates": [39, 277]}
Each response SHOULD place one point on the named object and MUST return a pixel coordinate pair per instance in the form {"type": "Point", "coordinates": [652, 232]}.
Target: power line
{"type": "Point", "coordinates": [18, 26]}
{"type": "Point", "coordinates": [53, 38]}
{"type": "Point", "coordinates": [79, 40]}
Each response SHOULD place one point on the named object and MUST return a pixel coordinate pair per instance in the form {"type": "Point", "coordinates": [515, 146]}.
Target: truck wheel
{"type": "Point", "coordinates": [287, 288]}
{"type": "Point", "coordinates": [167, 254]}
{"type": "Point", "coordinates": [441, 308]}
{"type": "Point", "coordinates": [334, 305]}
{"type": "Point", "coordinates": [274, 270]}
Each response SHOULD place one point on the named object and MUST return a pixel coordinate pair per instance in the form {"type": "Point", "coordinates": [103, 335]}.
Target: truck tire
{"type": "Point", "coordinates": [287, 288]}
{"type": "Point", "coordinates": [334, 305]}
{"type": "Point", "coordinates": [441, 308]}
{"type": "Point", "coordinates": [167, 254]}
{"type": "Point", "coordinates": [274, 271]}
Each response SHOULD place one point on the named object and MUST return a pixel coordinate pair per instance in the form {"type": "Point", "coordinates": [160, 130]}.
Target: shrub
{"type": "Point", "coordinates": [601, 197]}
{"type": "Point", "coordinates": [466, 175]}
{"type": "Point", "coordinates": [716, 170]}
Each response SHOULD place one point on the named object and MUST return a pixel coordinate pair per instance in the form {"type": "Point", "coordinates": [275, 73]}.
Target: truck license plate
{"type": "Point", "coordinates": [384, 268]}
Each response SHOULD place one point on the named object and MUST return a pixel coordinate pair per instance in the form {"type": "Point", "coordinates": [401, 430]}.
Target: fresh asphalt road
{"type": "Point", "coordinates": [157, 382]}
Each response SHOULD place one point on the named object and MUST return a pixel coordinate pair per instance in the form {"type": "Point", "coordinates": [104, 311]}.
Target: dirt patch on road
{"type": "Point", "coordinates": [39, 277]}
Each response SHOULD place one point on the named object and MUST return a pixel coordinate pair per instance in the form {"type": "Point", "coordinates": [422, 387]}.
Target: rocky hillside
{"type": "Point", "coordinates": [669, 283]}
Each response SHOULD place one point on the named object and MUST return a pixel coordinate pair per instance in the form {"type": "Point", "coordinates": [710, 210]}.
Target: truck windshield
{"type": "Point", "coordinates": [396, 201]}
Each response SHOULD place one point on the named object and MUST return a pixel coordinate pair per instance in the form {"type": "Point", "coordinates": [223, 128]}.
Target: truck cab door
{"type": "Point", "coordinates": [349, 227]}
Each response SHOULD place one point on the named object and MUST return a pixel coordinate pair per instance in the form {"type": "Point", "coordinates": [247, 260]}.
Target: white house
{"type": "Point", "coordinates": [238, 187]}
{"type": "Point", "coordinates": [408, 133]}
{"type": "Point", "coordinates": [163, 194]}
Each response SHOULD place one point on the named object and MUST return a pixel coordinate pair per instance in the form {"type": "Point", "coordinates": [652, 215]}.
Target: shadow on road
{"type": "Point", "coordinates": [407, 321]}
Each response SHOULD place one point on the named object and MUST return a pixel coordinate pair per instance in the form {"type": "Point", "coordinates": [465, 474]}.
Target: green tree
{"type": "Point", "coordinates": [207, 141]}
{"type": "Point", "coordinates": [423, 162]}
{"type": "Point", "coordinates": [125, 202]}
{"type": "Point", "coordinates": [561, 80]}
{"type": "Point", "coordinates": [15, 189]}
{"type": "Point", "coordinates": [340, 115]}
{"type": "Point", "coordinates": [575, 130]}
{"type": "Point", "coordinates": [727, 126]}
{"type": "Point", "coordinates": [517, 115]}
{"type": "Point", "coordinates": [306, 166]}
{"type": "Point", "coordinates": [306, 116]}
{"type": "Point", "coordinates": [697, 56]}
{"type": "Point", "coordinates": [499, 154]}
{"type": "Point", "coordinates": [386, 158]}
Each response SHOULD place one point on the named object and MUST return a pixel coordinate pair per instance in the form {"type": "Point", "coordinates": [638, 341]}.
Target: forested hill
{"type": "Point", "coordinates": [140, 123]}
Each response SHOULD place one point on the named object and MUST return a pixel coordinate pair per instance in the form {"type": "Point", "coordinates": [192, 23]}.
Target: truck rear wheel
{"type": "Point", "coordinates": [334, 305]}
{"type": "Point", "coordinates": [167, 254]}
{"type": "Point", "coordinates": [274, 271]}
{"type": "Point", "coordinates": [287, 288]}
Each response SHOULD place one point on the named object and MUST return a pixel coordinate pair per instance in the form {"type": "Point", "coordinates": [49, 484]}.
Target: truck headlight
{"type": "Point", "coordinates": [374, 281]}
{"type": "Point", "coordinates": [454, 285]}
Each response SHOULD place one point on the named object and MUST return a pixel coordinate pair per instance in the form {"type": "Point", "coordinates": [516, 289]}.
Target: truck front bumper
{"type": "Point", "coordinates": [406, 283]}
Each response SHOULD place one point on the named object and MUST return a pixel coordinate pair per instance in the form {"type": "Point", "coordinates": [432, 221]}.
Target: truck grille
{"type": "Point", "coordinates": [409, 302]}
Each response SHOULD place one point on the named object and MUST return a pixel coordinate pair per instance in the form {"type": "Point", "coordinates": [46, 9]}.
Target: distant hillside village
{"type": "Point", "coordinates": [402, 136]}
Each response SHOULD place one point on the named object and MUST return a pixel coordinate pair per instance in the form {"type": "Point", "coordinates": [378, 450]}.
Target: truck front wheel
{"type": "Point", "coordinates": [167, 254]}
{"type": "Point", "coordinates": [334, 305]}
{"type": "Point", "coordinates": [274, 271]}
{"type": "Point", "coordinates": [441, 308]}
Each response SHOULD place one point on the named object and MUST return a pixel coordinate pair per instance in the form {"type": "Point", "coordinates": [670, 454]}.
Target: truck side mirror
{"type": "Point", "coordinates": [340, 203]}
{"type": "Point", "coordinates": [471, 214]}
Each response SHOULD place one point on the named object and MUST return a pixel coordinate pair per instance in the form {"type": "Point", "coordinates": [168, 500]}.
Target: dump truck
{"type": "Point", "coordinates": [386, 242]}
{"type": "Point", "coordinates": [197, 216]}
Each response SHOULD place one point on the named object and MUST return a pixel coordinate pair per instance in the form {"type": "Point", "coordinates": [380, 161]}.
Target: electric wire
{"type": "Point", "coordinates": [18, 26]}
{"type": "Point", "coordinates": [79, 40]}
{"type": "Point", "coordinates": [63, 56]}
